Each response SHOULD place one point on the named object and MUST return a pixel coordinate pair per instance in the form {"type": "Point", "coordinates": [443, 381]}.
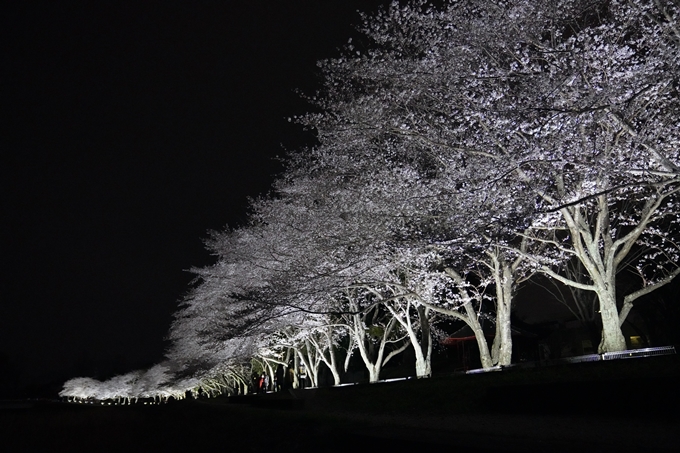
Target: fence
{"type": "Point", "coordinates": [628, 354]}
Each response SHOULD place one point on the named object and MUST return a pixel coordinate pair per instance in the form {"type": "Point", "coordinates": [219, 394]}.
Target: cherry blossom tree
{"type": "Point", "coordinates": [605, 151]}
{"type": "Point", "coordinates": [393, 114]}
{"type": "Point", "coordinates": [80, 388]}
{"type": "Point", "coordinates": [571, 103]}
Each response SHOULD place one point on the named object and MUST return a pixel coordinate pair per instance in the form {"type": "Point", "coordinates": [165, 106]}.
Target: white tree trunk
{"type": "Point", "coordinates": [502, 343]}
{"type": "Point", "coordinates": [471, 318]}
{"type": "Point", "coordinates": [484, 353]}
{"type": "Point", "coordinates": [296, 364]}
{"type": "Point", "coordinates": [421, 346]}
{"type": "Point", "coordinates": [362, 338]}
{"type": "Point", "coordinates": [332, 361]}
{"type": "Point", "coordinates": [612, 337]}
{"type": "Point", "coordinates": [373, 372]}
{"type": "Point", "coordinates": [424, 350]}
{"type": "Point", "coordinates": [311, 361]}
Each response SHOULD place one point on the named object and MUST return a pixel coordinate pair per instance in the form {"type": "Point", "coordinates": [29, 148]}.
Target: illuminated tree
{"type": "Point", "coordinates": [573, 104]}
{"type": "Point", "coordinates": [603, 148]}
{"type": "Point", "coordinates": [81, 388]}
{"type": "Point", "coordinates": [393, 129]}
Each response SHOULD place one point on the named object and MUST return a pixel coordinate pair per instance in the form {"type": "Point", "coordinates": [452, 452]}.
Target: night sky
{"type": "Point", "coordinates": [128, 130]}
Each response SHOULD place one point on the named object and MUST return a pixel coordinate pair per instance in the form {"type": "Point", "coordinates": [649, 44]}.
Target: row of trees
{"type": "Point", "coordinates": [462, 150]}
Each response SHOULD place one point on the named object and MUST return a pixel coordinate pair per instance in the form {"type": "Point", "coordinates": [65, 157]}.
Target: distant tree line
{"type": "Point", "coordinates": [463, 150]}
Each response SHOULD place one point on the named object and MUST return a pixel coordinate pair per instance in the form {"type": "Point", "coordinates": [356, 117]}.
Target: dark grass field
{"type": "Point", "coordinates": [617, 406]}
{"type": "Point", "coordinates": [642, 387]}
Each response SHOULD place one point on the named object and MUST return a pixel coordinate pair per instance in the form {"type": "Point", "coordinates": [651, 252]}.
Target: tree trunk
{"type": "Point", "coordinates": [421, 346]}
{"type": "Point", "coordinates": [423, 364]}
{"type": "Point", "coordinates": [296, 364]}
{"type": "Point", "coordinates": [424, 349]}
{"type": "Point", "coordinates": [502, 343]}
{"type": "Point", "coordinates": [471, 318]}
{"type": "Point", "coordinates": [350, 350]}
{"type": "Point", "coordinates": [336, 375]}
{"type": "Point", "coordinates": [601, 262]}
{"type": "Point", "coordinates": [612, 337]}
{"type": "Point", "coordinates": [372, 367]}
{"type": "Point", "coordinates": [311, 362]}
{"type": "Point", "coordinates": [333, 365]}
{"type": "Point", "coordinates": [365, 351]}
{"type": "Point", "coordinates": [484, 354]}
{"type": "Point", "coordinates": [373, 372]}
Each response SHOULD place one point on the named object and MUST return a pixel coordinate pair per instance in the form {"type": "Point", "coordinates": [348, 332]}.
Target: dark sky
{"type": "Point", "coordinates": [127, 131]}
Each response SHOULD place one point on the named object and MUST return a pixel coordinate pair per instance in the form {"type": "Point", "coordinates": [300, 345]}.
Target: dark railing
{"type": "Point", "coordinates": [627, 354]}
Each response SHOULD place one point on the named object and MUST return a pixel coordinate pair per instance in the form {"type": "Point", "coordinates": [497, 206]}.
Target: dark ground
{"type": "Point", "coordinates": [627, 405]}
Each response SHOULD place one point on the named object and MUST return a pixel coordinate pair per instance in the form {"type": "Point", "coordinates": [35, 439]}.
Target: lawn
{"type": "Point", "coordinates": [617, 406]}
